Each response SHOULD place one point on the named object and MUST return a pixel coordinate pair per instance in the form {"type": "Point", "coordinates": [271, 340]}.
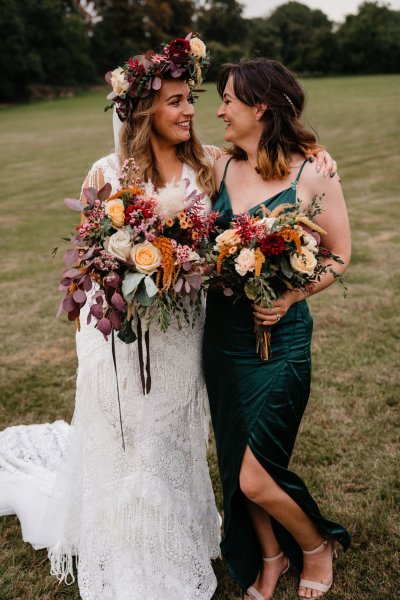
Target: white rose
{"type": "Point", "coordinates": [198, 47]}
{"type": "Point", "coordinates": [119, 244]}
{"type": "Point", "coordinates": [305, 262]}
{"type": "Point", "coordinates": [147, 258]}
{"type": "Point", "coordinates": [118, 81]}
{"type": "Point", "coordinates": [245, 262]}
{"type": "Point", "coordinates": [310, 242]}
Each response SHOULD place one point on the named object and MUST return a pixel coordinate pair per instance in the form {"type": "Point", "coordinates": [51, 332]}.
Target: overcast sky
{"type": "Point", "coordinates": [336, 10]}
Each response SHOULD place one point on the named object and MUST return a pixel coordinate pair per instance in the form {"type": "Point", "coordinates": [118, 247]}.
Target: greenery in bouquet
{"type": "Point", "coordinates": [140, 249]}
{"type": "Point", "coordinates": [260, 257]}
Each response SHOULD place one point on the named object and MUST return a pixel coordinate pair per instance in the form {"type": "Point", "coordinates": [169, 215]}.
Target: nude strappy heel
{"type": "Point", "coordinates": [252, 590]}
{"type": "Point", "coordinates": [314, 585]}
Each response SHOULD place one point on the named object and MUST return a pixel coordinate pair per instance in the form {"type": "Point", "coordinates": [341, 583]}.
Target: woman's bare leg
{"type": "Point", "coordinates": [270, 572]}
{"type": "Point", "coordinates": [261, 489]}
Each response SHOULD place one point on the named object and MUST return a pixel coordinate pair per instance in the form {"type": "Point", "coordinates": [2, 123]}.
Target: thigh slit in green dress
{"type": "Point", "coordinates": [258, 404]}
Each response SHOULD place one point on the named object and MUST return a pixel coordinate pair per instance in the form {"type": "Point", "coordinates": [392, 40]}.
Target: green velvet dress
{"type": "Point", "coordinates": [258, 404]}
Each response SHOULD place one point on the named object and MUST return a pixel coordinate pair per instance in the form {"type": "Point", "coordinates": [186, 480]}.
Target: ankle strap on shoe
{"type": "Point", "coordinates": [316, 550]}
{"type": "Point", "coordinates": [277, 557]}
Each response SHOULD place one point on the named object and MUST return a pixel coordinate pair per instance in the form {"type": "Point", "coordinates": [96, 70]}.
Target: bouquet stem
{"type": "Point", "coordinates": [263, 341]}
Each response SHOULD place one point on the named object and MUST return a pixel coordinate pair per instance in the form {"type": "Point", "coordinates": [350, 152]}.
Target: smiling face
{"type": "Point", "coordinates": [173, 114]}
{"type": "Point", "coordinates": [243, 123]}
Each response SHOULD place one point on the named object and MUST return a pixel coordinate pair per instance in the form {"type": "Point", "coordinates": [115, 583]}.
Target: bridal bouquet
{"type": "Point", "coordinates": [261, 257]}
{"type": "Point", "coordinates": [142, 248]}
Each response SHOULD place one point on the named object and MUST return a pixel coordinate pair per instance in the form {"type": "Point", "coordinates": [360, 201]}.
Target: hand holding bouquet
{"type": "Point", "coordinates": [262, 257]}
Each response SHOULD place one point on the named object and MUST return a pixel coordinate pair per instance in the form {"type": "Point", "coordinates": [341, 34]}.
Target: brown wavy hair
{"type": "Point", "coordinates": [266, 81]}
{"type": "Point", "coordinates": [135, 143]}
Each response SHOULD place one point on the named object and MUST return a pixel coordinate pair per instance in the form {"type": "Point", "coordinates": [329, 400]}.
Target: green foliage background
{"type": "Point", "coordinates": [50, 47]}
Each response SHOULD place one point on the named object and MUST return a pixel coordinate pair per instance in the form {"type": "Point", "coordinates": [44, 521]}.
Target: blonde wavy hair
{"type": "Point", "coordinates": [135, 143]}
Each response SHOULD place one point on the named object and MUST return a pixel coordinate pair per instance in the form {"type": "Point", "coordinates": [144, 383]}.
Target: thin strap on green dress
{"type": "Point", "coordinates": [225, 170]}
{"type": "Point", "coordinates": [300, 171]}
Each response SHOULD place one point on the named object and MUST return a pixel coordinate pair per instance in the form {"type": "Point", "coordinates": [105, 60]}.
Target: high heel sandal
{"type": "Point", "coordinates": [252, 590]}
{"type": "Point", "coordinates": [314, 585]}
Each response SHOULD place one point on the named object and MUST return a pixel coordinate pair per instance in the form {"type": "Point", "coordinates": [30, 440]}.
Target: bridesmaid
{"type": "Point", "coordinates": [256, 406]}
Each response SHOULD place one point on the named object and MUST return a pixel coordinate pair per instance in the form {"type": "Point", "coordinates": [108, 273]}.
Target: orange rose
{"type": "Point", "coordinates": [115, 210]}
{"type": "Point", "coordinates": [147, 258]}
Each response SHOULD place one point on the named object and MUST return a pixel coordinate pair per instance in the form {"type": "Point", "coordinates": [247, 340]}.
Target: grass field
{"type": "Point", "coordinates": [346, 450]}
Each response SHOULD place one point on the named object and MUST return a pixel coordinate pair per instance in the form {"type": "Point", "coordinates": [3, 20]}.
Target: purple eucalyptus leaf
{"type": "Point", "coordinates": [87, 254]}
{"type": "Point", "coordinates": [69, 304]}
{"type": "Point", "coordinates": [79, 296]}
{"type": "Point", "coordinates": [105, 192]}
{"type": "Point", "coordinates": [156, 85]}
{"type": "Point", "coordinates": [228, 292]}
{"type": "Point", "coordinates": [108, 76]}
{"type": "Point", "coordinates": [97, 311]}
{"type": "Point", "coordinates": [187, 287]}
{"type": "Point", "coordinates": [89, 318]}
{"type": "Point", "coordinates": [177, 72]}
{"type": "Point", "coordinates": [187, 266]}
{"type": "Point", "coordinates": [178, 285]}
{"type": "Point", "coordinates": [87, 283]}
{"type": "Point", "coordinates": [74, 314]}
{"type": "Point", "coordinates": [193, 294]}
{"type": "Point", "coordinates": [113, 280]}
{"type": "Point", "coordinates": [70, 257]}
{"type": "Point", "coordinates": [65, 282]}
{"type": "Point", "coordinates": [71, 273]}
{"type": "Point", "coordinates": [73, 204]}
{"type": "Point", "coordinates": [90, 195]}
{"type": "Point", "coordinates": [115, 320]}
{"type": "Point", "coordinates": [99, 296]}
{"type": "Point", "coordinates": [118, 301]}
{"type": "Point", "coordinates": [195, 282]}
{"type": "Point", "coordinates": [104, 326]}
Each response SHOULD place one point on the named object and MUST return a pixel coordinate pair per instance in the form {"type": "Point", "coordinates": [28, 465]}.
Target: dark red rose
{"type": "Point", "coordinates": [178, 48]}
{"type": "Point", "coordinates": [272, 245]}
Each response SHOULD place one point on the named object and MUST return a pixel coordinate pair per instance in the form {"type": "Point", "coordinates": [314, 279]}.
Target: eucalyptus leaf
{"type": "Point", "coordinates": [151, 287]}
{"type": "Point", "coordinates": [285, 267]}
{"type": "Point", "coordinates": [142, 296]}
{"type": "Point", "coordinates": [130, 284]}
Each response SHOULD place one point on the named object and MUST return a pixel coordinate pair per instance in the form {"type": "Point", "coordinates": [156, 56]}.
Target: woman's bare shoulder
{"type": "Point", "coordinates": [314, 182]}
{"type": "Point", "coordinates": [219, 168]}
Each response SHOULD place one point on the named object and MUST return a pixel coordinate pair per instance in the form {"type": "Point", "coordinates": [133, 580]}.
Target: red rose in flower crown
{"type": "Point", "coordinates": [181, 58]}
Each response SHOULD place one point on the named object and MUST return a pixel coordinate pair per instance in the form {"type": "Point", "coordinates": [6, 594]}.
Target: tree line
{"type": "Point", "coordinates": [53, 45]}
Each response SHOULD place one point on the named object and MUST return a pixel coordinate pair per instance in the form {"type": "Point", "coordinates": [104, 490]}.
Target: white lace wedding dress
{"type": "Point", "coordinates": [140, 523]}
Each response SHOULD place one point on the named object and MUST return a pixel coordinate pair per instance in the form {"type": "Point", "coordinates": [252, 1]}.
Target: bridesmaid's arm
{"type": "Point", "coordinates": [334, 220]}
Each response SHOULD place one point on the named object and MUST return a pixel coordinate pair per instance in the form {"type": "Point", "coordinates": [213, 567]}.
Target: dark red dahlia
{"type": "Point", "coordinates": [178, 48]}
{"type": "Point", "coordinates": [272, 245]}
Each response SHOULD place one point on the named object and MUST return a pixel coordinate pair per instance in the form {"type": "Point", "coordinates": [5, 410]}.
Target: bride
{"type": "Point", "coordinates": [143, 520]}
{"type": "Point", "coordinates": [140, 522]}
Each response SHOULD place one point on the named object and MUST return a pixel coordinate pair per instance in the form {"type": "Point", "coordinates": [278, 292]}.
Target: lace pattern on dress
{"type": "Point", "coordinates": [143, 522]}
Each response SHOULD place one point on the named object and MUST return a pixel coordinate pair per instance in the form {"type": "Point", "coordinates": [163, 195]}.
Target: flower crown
{"type": "Point", "coordinates": [181, 58]}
